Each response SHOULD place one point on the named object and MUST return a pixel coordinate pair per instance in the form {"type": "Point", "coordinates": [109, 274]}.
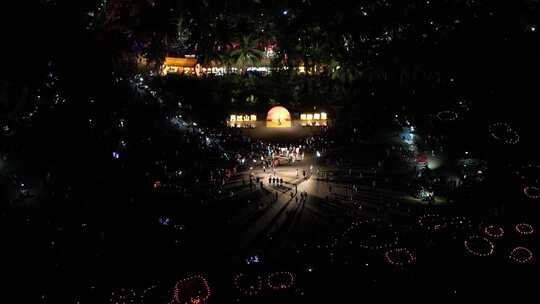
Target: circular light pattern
{"type": "Point", "coordinates": [192, 290]}
{"type": "Point", "coordinates": [248, 285]}
{"type": "Point", "coordinates": [432, 222]}
{"type": "Point", "coordinates": [532, 192]}
{"type": "Point", "coordinates": [503, 132]}
{"type": "Point", "coordinates": [447, 115]}
{"type": "Point", "coordinates": [521, 255]}
{"type": "Point", "coordinates": [479, 246]}
{"type": "Point", "coordinates": [400, 257]}
{"type": "Point", "coordinates": [370, 234]}
{"type": "Point", "coordinates": [280, 280]}
{"type": "Point", "coordinates": [524, 229]}
{"type": "Point", "coordinates": [494, 231]}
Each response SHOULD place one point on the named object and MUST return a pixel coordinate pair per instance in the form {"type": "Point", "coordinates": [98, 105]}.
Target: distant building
{"type": "Point", "coordinates": [178, 65]}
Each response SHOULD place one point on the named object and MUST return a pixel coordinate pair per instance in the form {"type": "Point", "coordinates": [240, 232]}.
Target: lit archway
{"type": "Point", "coordinates": [278, 117]}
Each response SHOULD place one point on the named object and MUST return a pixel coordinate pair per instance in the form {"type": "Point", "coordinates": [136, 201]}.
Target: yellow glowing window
{"type": "Point", "coordinates": [317, 116]}
{"type": "Point", "coordinates": [239, 118]}
{"type": "Point", "coordinates": [303, 116]}
{"type": "Point", "coordinates": [323, 116]}
{"type": "Point", "coordinates": [233, 117]}
{"type": "Point", "coordinates": [309, 116]}
{"type": "Point", "coordinates": [246, 117]}
{"type": "Point", "coordinates": [253, 117]}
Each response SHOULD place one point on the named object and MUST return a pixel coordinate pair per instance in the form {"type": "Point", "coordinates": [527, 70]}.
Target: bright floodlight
{"type": "Point", "coordinates": [278, 117]}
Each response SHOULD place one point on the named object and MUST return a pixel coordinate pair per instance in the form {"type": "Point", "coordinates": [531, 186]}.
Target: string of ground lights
{"type": "Point", "coordinates": [400, 257]}
{"type": "Point", "coordinates": [503, 132]}
{"type": "Point", "coordinates": [447, 116]}
{"type": "Point", "coordinates": [280, 280]}
{"type": "Point", "coordinates": [532, 192]}
{"type": "Point", "coordinates": [248, 285]}
{"type": "Point", "coordinates": [372, 234]}
{"type": "Point", "coordinates": [524, 229]}
{"type": "Point", "coordinates": [124, 296]}
{"type": "Point", "coordinates": [493, 231]}
{"type": "Point", "coordinates": [191, 290]}
{"type": "Point", "coordinates": [530, 176]}
{"type": "Point", "coordinates": [460, 222]}
{"type": "Point", "coordinates": [521, 255]}
{"type": "Point", "coordinates": [479, 246]}
{"type": "Point", "coordinates": [130, 295]}
{"type": "Point", "coordinates": [432, 222]}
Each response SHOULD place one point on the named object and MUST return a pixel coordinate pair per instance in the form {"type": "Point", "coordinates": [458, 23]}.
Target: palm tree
{"type": "Point", "coordinates": [247, 53]}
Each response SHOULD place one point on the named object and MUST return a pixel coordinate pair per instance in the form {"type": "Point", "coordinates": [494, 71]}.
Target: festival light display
{"type": "Point", "coordinates": [370, 234]}
{"type": "Point", "coordinates": [504, 132]}
{"type": "Point", "coordinates": [521, 255]}
{"type": "Point", "coordinates": [432, 222]}
{"type": "Point", "coordinates": [479, 246]}
{"type": "Point", "coordinates": [314, 119]}
{"type": "Point", "coordinates": [248, 285]}
{"type": "Point", "coordinates": [124, 296]}
{"type": "Point", "coordinates": [130, 295]}
{"type": "Point", "coordinates": [532, 192]}
{"type": "Point", "coordinates": [278, 117]}
{"type": "Point", "coordinates": [243, 117]}
{"type": "Point", "coordinates": [447, 115]}
{"type": "Point", "coordinates": [400, 257]}
{"type": "Point", "coordinates": [460, 222]}
{"type": "Point", "coordinates": [191, 290]}
{"type": "Point", "coordinates": [242, 120]}
{"type": "Point", "coordinates": [281, 280]}
{"type": "Point", "coordinates": [524, 229]}
{"type": "Point", "coordinates": [494, 231]}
